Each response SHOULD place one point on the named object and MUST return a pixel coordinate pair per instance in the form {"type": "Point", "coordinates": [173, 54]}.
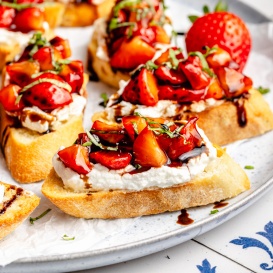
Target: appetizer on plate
{"type": "Point", "coordinates": [42, 104]}
{"type": "Point", "coordinates": [131, 36]}
{"type": "Point", "coordinates": [19, 19]}
{"type": "Point", "coordinates": [84, 13]}
{"type": "Point", "coordinates": [15, 206]}
{"type": "Point", "coordinates": [143, 166]}
{"type": "Point", "coordinates": [208, 86]}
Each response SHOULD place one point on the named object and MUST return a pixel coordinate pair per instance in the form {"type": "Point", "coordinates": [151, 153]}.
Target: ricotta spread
{"type": "Point", "coordinates": [37, 120]}
{"type": "Point", "coordinates": [11, 38]}
{"type": "Point", "coordinates": [2, 192]}
{"type": "Point", "coordinates": [101, 178]}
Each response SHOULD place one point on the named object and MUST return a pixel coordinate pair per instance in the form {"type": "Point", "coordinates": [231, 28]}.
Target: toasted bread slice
{"type": "Point", "coordinates": [221, 179]}
{"type": "Point", "coordinates": [221, 123]}
{"type": "Point", "coordinates": [28, 154]}
{"type": "Point", "coordinates": [84, 14]}
{"type": "Point", "coordinates": [15, 207]}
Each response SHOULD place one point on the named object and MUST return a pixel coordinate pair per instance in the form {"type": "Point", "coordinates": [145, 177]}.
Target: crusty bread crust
{"type": "Point", "coordinates": [54, 13]}
{"type": "Point", "coordinates": [84, 14]}
{"type": "Point", "coordinates": [102, 68]}
{"type": "Point", "coordinates": [220, 123]}
{"type": "Point", "coordinates": [28, 154]}
{"type": "Point", "coordinates": [15, 214]}
{"type": "Point", "coordinates": [222, 179]}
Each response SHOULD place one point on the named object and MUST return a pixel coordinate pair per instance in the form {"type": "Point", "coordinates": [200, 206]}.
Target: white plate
{"type": "Point", "coordinates": [145, 235]}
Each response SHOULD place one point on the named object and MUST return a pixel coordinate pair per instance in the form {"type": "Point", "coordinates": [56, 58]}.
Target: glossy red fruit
{"type": "Point", "coordinates": [8, 96]}
{"type": "Point", "coordinates": [6, 16]}
{"type": "Point", "coordinates": [169, 75]}
{"type": "Point", "coordinates": [147, 150]}
{"type": "Point", "coordinates": [131, 92]}
{"type": "Point", "coordinates": [224, 29]}
{"type": "Point", "coordinates": [75, 157]}
{"type": "Point", "coordinates": [29, 19]}
{"type": "Point", "coordinates": [133, 125]}
{"type": "Point", "coordinates": [61, 45]}
{"type": "Point", "coordinates": [111, 159]}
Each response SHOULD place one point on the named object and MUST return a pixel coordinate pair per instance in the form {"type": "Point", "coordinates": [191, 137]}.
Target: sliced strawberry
{"type": "Point", "coordinates": [224, 29]}
{"type": "Point", "coordinates": [192, 68]}
{"type": "Point", "coordinates": [133, 125]}
{"type": "Point", "coordinates": [219, 58]}
{"type": "Point", "coordinates": [131, 54]}
{"type": "Point", "coordinates": [75, 157]}
{"type": "Point", "coordinates": [8, 96]}
{"type": "Point", "coordinates": [6, 16]}
{"type": "Point", "coordinates": [233, 82]}
{"type": "Point", "coordinates": [166, 57]}
{"type": "Point", "coordinates": [46, 57]}
{"type": "Point", "coordinates": [147, 34]}
{"type": "Point", "coordinates": [111, 159]}
{"type": "Point", "coordinates": [61, 45]}
{"type": "Point", "coordinates": [148, 94]}
{"type": "Point", "coordinates": [111, 133]}
{"type": "Point", "coordinates": [172, 76]}
{"type": "Point", "coordinates": [29, 19]}
{"type": "Point", "coordinates": [131, 92]}
{"type": "Point", "coordinates": [161, 35]}
{"type": "Point", "coordinates": [215, 90]}
{"type": "Point", "coordinates": [190, 130]}
{"type": "Point", "coordinates": [147, 151]}
{"type": "Point", "coordinates": [20, 72]}
{"type": "Point", "coordinates": [82, 138]}
{"type": "Point", "coordinates": [72, 73]}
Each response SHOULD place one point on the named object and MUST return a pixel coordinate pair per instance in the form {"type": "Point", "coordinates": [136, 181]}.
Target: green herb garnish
{"type": "Point", "coordinates": [31, 220]}
{"type": "Point", "coordinates": [96, 141]}
{"type": "Point", "coordinates": [263, 90]}
{"type": "Point", "coordinates": [67, 238]}
{"type": "Point", "coordinates": [249, 167]}
{"type": "Point", "coordinates": [214, 211]}
{"type": "Point", "coordinates": [105, 98]}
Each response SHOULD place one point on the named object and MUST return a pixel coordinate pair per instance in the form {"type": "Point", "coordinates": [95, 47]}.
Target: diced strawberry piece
{"type": "Point", "coordinates": [165, 56]}
{"type": "Point", "coordinates": [61, 45]}
{"type": "Point", "coordinates": [233, 82]}
{"type": "Point", "coordinates": [189, 130]}
{"type": "Point", "coordinates": [148, 88]}
{"type": "Point", "coordinates": [131, 92]}
{"type": "Point", "coordinates": [72, 73]}
{"type": "Point", "coordinates": [75, 157]}
{"type": "Point", "coordinates": [147, 34]}
{"type": "Point", "coordinates": [29, 1]}
{"type": "Point", "coordinates": [82, 138]}
{"type": "Point", "coordinates": [131, 54]}
{"type": "Point", "coordinates": [147, 151]}
{"type": "Point", "coordinates": [8, 96]}
{"type": "Point", "coordinates": [192, 68]}
{"type": "Point", "coordinates": [218, 58]}
{"type": "Point", "coordinates": [111, 133]}
{"type": "Point", "coordinates": [6, 16]}
{"type": "Point", "coordinates": [172, 76]}
{"type": "Point", "coordinates": [29, 19]}
{"type": "Point", "coordinates": [180, 94]}
{"type": "Point", "coordinates": [20, 72]}
{"type": "Point", "coordinates": [133, 125]}
{"type": "Point", "coordinates": [161, 35]}
{"type": "Point", "coordinates": [215, 90]}
{"type": "Point", "coordinates": [46, 57]}
{"type": "Point", "coordinates": [111, 159]}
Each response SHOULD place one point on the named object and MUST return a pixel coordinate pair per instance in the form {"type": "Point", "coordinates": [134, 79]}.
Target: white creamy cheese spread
{"type": "Point", "coordinates": [2, 192]}
{"type": "Point", "coordinates": [51, 121]}
{"type": "Point", "coordinates": [101, 178]}
{"type": "Point", "coordinates": [11, 38]}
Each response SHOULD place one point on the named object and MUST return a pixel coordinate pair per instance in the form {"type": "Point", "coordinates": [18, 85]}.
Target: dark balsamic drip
{"type": "Point", "coordinates": [9, 202]}
{"type": "Point", "coordinates": [141, 170]}
{"type": "Point", "coordinates": [186, 157]}
{"type": "Point", "coordinates": [241, 112]}
{"type": "Point", "coordinates": [184, 219]}
{"type": "Point", "coordinates": [221, 204]}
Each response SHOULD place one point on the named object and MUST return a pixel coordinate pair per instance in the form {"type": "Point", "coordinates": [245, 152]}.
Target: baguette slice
{"type": "Point", "coordinates": [220, 123]}
{"type": "Point", "coordinates": [16, 206]}
{"type": "Point", "coordinates": [222, 179]}
{"type": "Point", "coordinates": [28, 154]}
{"type": "Point", "coordinates": [84, 14]}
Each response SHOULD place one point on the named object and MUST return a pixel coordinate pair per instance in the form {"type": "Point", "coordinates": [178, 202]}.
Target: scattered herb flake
{"type": "Point", "coordinates": [249, 167]}
{"type": "Point", "coordinates": [31, 220]}
{"type": "Point", "coordinates": [67, 238]}
{"type": "Point", "coordinates": [105, 98]}
{"type": "Point", "coordinates": [263, 90]}
{"type": "Point", "coordinates": [214, 211]}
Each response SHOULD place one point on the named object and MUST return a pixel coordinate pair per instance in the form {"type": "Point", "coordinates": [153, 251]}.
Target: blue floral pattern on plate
{"type": "Point", "coordinates": [206, 267]}
{"type": "Point", "coordinates": [247, 242]}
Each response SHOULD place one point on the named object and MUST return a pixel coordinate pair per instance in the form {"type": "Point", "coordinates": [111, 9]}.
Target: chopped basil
{"type": "Point", "coordinates": [16, 6]}
{"type": "Point", "coordinates": [263, 90]}
{"type": "Point", "coordinates": [31, 220]}
{"type": "Point", "coordinates": [67, 238]}
{"type": "Point", "coordinates": [249, 167]}
{"type": "Point", "coordinates": [96, 141]}
{"type": "Point", "coordinates": [105, 98]}
{"type": "Point", "coordinates": [214, 211]}
{"type": "Point", "coordinates": [150, 65]}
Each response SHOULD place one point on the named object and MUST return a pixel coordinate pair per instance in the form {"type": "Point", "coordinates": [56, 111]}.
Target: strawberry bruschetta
{"type": "Point", "coordinates": [20, 19]}
{"type": "Point", "coordinates": [131, 36]}
{"type": "Point", "coordinates": [42, 104]}
{"type": "Point", "coordinates": [208, 86]}
{"type": "Point", "coordinates": [143, 166]}
{"type": "Point", "coordinates": [15, 206]}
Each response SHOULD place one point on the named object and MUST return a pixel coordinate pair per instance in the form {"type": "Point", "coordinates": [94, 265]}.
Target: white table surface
{"type": "Point", "coordinates": [212, 252]}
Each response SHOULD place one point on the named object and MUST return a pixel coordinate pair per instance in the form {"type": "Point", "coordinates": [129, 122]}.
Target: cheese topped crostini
{"type": "Point", "coordinates": [144, 166]}
{"type": "Point", "coordinates": [205, 85]}
{"type": "Point", "coordinates": [131, 36]}
{"type": "Point", "coordinates": [42, 104]}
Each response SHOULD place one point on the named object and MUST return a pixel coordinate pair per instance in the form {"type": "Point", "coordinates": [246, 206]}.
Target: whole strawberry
{"type": "Point", "coordinates": [220, 28]}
